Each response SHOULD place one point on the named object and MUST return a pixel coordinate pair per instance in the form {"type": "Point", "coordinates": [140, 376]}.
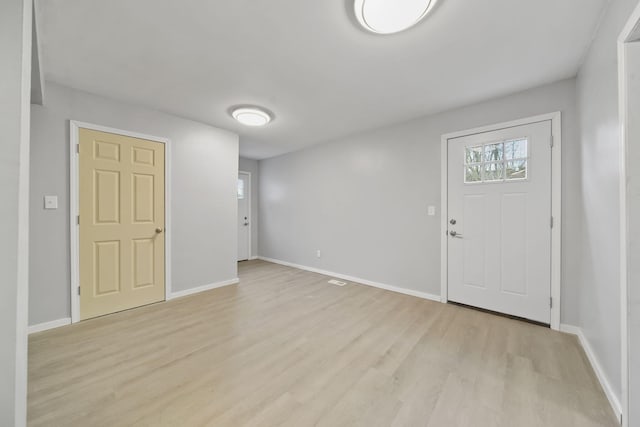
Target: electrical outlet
{"type": "Point", "coordinates": [318, 253]}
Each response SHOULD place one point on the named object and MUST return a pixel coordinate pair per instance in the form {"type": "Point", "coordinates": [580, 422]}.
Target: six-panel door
{"type": "Point", "coordinates": [121, 231]}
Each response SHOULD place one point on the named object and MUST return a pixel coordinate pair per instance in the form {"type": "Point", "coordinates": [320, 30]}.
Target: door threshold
{"type": "Point", "coordinates": [497, 313]}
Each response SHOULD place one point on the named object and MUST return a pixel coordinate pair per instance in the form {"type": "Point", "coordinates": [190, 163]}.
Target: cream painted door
{"type": "Point", "coordinates": [499, 244]}
{"type": "Point", "coordinates": [121, 201]}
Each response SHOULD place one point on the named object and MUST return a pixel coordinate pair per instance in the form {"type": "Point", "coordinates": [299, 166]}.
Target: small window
{"type": "Point", "coordinates": [496, 161]}
{"type": "Point", "coordinates": [493, 152]}
{"type": "Point", "coordinates": [493, 172]}
{"type": "Point", "coordinates": [240, 189]}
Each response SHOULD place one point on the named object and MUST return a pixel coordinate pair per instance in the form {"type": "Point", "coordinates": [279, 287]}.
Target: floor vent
{"type": "Point", "coordinates": [337, 282]}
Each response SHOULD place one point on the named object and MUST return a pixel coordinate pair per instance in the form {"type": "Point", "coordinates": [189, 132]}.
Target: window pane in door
{"type": "Point", "coordinates": [516, 169]}
{"type": "Point", "coordinates": [516, 149]}
{"type": "Point", "coordinates": [473, 174]}
{"type": "Point", "coordinates": [493, 152]}
{"type": "Point", "coordinates": [240, 189]}
{"type": "Point", "coordinates": [493, 171]}
{"type": "Point", "coordinates": [473, 154]}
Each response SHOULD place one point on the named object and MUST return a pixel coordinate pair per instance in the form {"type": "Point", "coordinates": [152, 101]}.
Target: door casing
{"type": "Point", "coordinates": [74, 127]}
{"type": "Point", "coordinates": [629, 34]}
{"type": "Point", "coordinates": [556, 204]}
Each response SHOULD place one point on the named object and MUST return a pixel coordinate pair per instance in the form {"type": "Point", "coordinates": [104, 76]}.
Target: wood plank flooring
{"type": "Point", "coordinates": [285, 348]}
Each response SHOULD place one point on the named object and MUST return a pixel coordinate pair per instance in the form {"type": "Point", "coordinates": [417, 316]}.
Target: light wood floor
{"type": "Point", "coordinates": [284, 348]}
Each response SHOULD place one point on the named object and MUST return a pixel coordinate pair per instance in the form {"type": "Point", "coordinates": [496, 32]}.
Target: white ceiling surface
{"type": "Point", "coordinates": [307, 61]}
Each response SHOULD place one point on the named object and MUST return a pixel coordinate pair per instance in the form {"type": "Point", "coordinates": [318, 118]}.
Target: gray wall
{"type": "Point", "coordinates": [15, 77]}
{"type": "Point", "coordinates": [250, 165]}
{"type": "Point", "coordinates": [599, 302]}
{"type": "Point", "coordinates": [363, 200]}
{"type": "Point", "coordinates": [204, 201]}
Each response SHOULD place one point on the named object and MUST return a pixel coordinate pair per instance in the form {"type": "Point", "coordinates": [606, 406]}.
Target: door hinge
{"type": "Point", "coordinates": [78, 290]}
{"type": "Point", "coordinates": [78, 219]}
{"type": "Point", "coordinates": [78, 148]}
{"type": "Point", "coordinates": [551, 302]}
{"type": "Point", "coordinates": [551, 141]}
{"type": "Point", "coordinates": [551, 222]}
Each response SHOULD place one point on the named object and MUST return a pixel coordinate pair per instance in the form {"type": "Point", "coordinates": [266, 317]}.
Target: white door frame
{"type": "Point", "coordinates": [74, 127]}
{"type": "Point", "coordinates": [556, 200]}
{"type": "Point", "coordinates": [248, 191]}
{"type": "Point", "coordinates": [630, 32]}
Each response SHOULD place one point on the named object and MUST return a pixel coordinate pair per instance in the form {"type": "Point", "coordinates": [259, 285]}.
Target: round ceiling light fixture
{"type": "Point", "coordinates": [251, 116]}
{"type": "Point", "coordinates": [391, 16]}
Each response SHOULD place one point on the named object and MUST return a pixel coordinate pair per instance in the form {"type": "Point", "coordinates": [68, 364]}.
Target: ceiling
{"type": "Point", "coordinates": [308, 61]}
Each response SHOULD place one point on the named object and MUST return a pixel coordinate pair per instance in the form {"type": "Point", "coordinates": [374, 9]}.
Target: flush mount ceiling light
{"type": "Point", "coordinates": [251, 116]}
{"type": "Point", "coordinates": [391, 16]}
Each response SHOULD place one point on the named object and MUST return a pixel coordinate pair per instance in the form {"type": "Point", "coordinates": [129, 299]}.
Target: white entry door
{"type": "Point", "coordinates": [499, 212]}
{"type": "Point", "coordinates": [244, 234]}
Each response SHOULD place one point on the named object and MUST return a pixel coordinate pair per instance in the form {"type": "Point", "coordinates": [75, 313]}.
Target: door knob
{"type": "Point", "coordinates": [455, 234]}
{"type": "Point", "coordinates": [158, 230]}
{"type": "Point", "coordinates": [246, 223]}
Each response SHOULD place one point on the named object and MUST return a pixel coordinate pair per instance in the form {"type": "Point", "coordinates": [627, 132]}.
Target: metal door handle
{"type": "Point", "coordinates": [246, 223]}
{"type": "Point", "coordinates": [158, 230]}
{"type": "Point", "coordinates": [455, 234]}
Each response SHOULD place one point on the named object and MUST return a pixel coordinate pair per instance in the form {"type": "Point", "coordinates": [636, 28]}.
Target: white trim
{"type": "Point", "coordinates": [624, 337]}
{"type": "Point", "coordinates": [556, 203]}
{"type": "Point", "coordinates": [570, 329]}
{"type": "Point", "coordinates": [191, 291]}
{"type": "Point", "coordinates": [49, 325]}
{"type": "Point", "coordinates": [626, 35]}
{"type": "Point", "coordinates": [73, 213]}
{"type": "Point", "coordinates": [250, 193]}
{"type": "Point", "coordinates": [597, 367]}
{"type": "Point", "coordinates": [359, 280]}
{"type": "Point", "coordinates": [556, 212]}
{"type": "Point", "coordinates": [444, 219]}
{"type": "Point", "coordinates": [74, 127]}
{"type": "Point", "coordinates": [252, 258]}
{"type": "Point", "coordinates": [22, 268]}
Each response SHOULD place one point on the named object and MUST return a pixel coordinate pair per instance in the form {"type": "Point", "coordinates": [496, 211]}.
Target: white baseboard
{"type": "Point", "coordinates": [614, 401]}
{"type": "Point", "coordinates": [252, 258]}
{"type": "Point", "coordinates": [570, 329]}
{"type": "Point", "coordinates": [49, 325]}
{"type": "Point", "coordinates": [391, 288]}
{"type": "Point", "coordinates": [203, 288]}
{"type": "Point", "coordinates": [67, 320]}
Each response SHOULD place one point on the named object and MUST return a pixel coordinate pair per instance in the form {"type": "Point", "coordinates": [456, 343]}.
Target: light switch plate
{"type": "Point", "coordinates": [51, 202]}
{"type": "Point", "coordinates": [431, 210]}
